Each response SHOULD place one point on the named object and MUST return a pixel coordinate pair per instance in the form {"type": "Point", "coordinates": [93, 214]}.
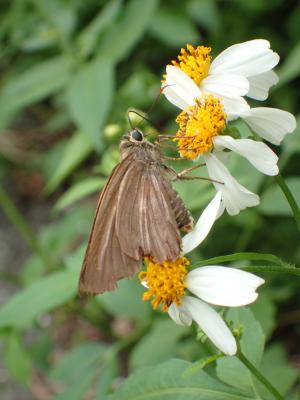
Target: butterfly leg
{"type": "Point", "coordinates": [198, 177]}
{"type": "Point", "coordinates": [188, 170]}
{"type": "Point", "coordinates": [183, 175]}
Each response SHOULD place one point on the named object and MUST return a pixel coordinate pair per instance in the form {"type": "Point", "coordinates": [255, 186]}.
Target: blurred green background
{"type": "Point", "coordinates": [70, 70]}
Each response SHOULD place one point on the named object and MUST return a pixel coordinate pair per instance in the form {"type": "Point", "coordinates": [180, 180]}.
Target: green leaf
{"type": "Point", "coordinates": [230, 369]}
{"type": "Point", "coordinates": [108, 373]}
{"type": "Point", "coordinates": [78, 388]}
{"type": "Point", "coordinates": [78, 191]}
{"type": "Point", "coordinates": [264, 311]}
{"type": "Point", "coordinates": [167, 382]}
{"type": "Point", "coordinates": [157, 345]}
{"type": "Point", "coordinates": [277, 370]}
{"type": "Point", "coordinates": [291, 144]}
{"type": "Point", "coordinates": [128, 29]}
{"type": "Point", "coordinates": [290, 68]}
{"type": "Point", "coordinates": [38, 82]}
{"type": "Point", "coordinates": [273, 201]}
{"type": "Point", "coordinates": [126, 301]}
{"type": "Point", "coordinates": [76, 150]}
{"type": "Point", "coordinates": [253, 339]}
{"type": "Point", "coordinates": [88, 37]}
{"type": "Point", "coordinates": [202, 363]}
{"type": "Point", "coordinates": [40, 297]}
{"type": "Point", "coordinates": [89, 98]}
{"type": "Point", "coordinates": [17, 360]}
{"type": "Point", "coordinates": [173, 28]}
{"type": "Point", "coordinates": [70, 366]}
{"type": "Point", "coordinates": [205, 12]}
{"type": "Point", "coordinates": [79, 369]}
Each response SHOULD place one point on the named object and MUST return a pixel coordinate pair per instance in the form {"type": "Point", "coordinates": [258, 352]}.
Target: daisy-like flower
{"type": "Point", "coordinates": [241, 69]}
{"type": "Point", "coordinates": [185, 295]}
{"type": "Point", "coordinates": [210, 95]}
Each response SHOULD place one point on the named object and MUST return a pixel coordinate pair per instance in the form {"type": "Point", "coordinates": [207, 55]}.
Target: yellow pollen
{"type": "Point", "coordinates": [195, 62]}
{"type": "Point", "coordinates": [165, 281]}
{"type": "Point", "coordinates": [198, 124]}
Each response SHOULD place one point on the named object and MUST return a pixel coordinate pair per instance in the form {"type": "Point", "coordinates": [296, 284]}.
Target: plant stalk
{"type": "Point", "coordinates": [290, 198]}
{"type": "Point", "coordinates": [267, 384]}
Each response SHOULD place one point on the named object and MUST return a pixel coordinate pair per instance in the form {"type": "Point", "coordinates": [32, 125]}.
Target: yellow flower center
{"type": "Point", "coordinates": [198, 124]}
{"type": "Point", "coordinates": [195, 62]}
{"type": "Point", "coordinates": [165, 281]}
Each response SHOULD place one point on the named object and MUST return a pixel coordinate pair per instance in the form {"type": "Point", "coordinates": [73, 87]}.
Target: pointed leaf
{"type": "Point", "coordinates": [43, 295]}
{"type": "Point", "coordinates": [89, 98]}
{"type": "Point", "coordinates": [129, 28]}
{"type": "Point", "coordinates": [167, 382]}
{"type": "Point", "coordinates": [78, 191]}
{"type": "Point", "coordinates": [76, 150]}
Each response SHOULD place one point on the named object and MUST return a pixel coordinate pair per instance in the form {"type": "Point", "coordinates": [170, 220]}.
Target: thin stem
{"type": "Point", "coordinates": [268, 385]}
{"type": "Point", "coordinates": [241, 256]}
{"type": "Point", "coordinates": [290, 198]}
{"type": "Point", "coordinates": [18, 220]}
{"type": "Point", "coordinates": [272, 268]}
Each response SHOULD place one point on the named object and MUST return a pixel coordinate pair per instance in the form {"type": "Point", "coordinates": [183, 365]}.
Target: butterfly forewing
{"type": "Point", "coordinates": [148, 226]}
{"type": "Point", "coordinates": [104, 262]}
{"type": "Point", "coordinates": [138, 214]}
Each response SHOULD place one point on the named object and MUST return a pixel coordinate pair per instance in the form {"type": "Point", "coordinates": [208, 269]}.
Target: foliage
{"type": "Point", "coordinates": [70, 70]}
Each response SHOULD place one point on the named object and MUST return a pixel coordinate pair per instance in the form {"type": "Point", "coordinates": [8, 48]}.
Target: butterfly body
{"type": "Point", "coordinates": [138, 214]}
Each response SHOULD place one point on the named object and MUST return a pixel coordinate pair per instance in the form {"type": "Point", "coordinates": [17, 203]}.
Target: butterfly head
{"type": "Point", "coordinates": [136, 136]}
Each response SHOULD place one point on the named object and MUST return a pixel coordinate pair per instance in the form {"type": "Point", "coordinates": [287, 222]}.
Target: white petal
{"type": "Point", "coordinates": [179, 88]}
{"type": "Point", "coordinates": [211, 323]}
{"type": "Point", "coordinates": [260, 85]}
{"type": "Point", "coordinates": [271, 124]}
{"type": "Point", "coordinates": [223, 286]}
{"type": "Point", "coordinates": [257, 153]}
{"type": "Point", "coordinates": [171, 93]}
{"type": "Point", "coordinates": [234, 106]}
{"type": "Point", "coordinates": [225, 85]}
{"type": "Point", "coordinates": [234, 196]}
{"type": "Point", "coordinates": [145, 284]}
{"type": "Point", "coordinates": [246, 59]}
{"type": "Point", "coordinates": [179, 315]}
{"type": "Point", "coordinates": [204, 224]}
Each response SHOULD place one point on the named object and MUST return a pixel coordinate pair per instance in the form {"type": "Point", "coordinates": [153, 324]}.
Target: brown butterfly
{"type": "Point", "coordinates": [138, 214]}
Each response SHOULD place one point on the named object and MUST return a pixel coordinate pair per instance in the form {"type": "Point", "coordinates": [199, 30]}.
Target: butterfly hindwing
{"type": "Point", "coordinates": [145, 220]}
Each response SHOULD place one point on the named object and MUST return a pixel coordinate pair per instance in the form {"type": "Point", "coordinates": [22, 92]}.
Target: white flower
{"type": "Point", "coordinates": [254, 60]}
{"type": "Point", "coordinates": [235, 197]}
{"type": "Point", "coordinates": [271, 124]}
{"type": "Point", "coordinates": [241, 69]}
{"type": "Point", "coordinates": [213, 97]}
{"type": "Point", "coordinates": [216, 285]}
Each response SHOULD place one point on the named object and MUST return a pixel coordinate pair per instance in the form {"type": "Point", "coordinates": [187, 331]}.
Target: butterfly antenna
{"type": "Point", "coordinates": [149, 110]}
{"type": "Point", "coordinates": [129, 120]}
{"type": "Point", "coordinates": [140, 115]}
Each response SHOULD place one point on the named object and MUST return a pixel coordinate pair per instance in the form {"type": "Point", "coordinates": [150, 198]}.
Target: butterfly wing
{"type": "Point", "coordinates": [105, 262]}
{"type": "Point", "coordinates": [134, 218]}
{"type": "Point", "coordinates": [145, 220]}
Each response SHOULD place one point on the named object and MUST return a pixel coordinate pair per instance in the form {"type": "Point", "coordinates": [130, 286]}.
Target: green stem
{"type": "Point", "coordinates": [290, 198]}
{"type": "Point", "coordinates": [17, 219]}
{"type": "Point", "coordinates": [268, 385]}
{"type": "Point", "coordinates": [241, 256]}
{"type": "Point", "coordinates": [272, 268]}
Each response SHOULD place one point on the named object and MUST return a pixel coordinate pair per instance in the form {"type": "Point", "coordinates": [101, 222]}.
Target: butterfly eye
{"type": "Point", "coordinates": [137, 135]}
